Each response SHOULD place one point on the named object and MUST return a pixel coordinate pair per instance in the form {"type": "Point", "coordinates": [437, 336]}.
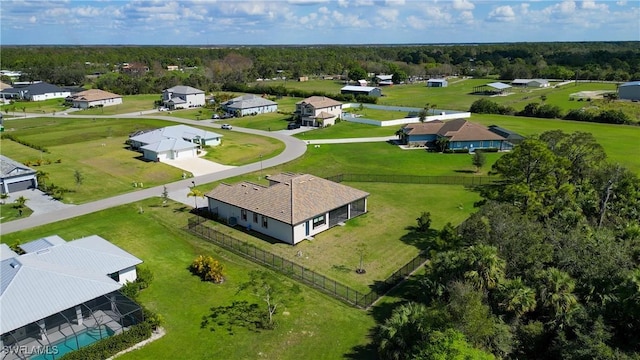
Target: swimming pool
{"type": "Point", "coordinates": [56, 350]}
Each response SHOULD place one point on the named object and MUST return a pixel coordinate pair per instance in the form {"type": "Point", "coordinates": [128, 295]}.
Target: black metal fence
{"type": "Point", "coordinates": [415, 179]}
{"type": "Point", "coordinates": [198, 226]}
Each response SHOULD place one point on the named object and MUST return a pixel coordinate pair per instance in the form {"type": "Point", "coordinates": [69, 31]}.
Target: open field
{"type": "Point", "coordinates": [130, 104]}
{"type": "Point", "coordinates": [96, 149]}
{"type": "Point", "coordinates": [311, 325]}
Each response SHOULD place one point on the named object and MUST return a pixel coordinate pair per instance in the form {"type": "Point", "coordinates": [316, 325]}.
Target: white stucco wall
{"type": "Point", "coordinates": [127, 275]}
{"type": "Point", "coordinates": [104, 102]}
{"type": "Point", "coordinates": [195, 100]}
{"type": "Point", "coordinates": [47, 96]}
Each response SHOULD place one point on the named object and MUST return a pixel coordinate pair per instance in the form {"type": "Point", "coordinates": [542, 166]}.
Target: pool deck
{"type": "Point", "coordinates": [32, 347]}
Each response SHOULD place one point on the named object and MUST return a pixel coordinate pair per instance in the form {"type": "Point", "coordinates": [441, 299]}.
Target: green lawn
{"type": "Point", "coordinates": [130, 104]}
{"type": "Point", "coordinates": [310, 326]}
{"type": "Point", "coordinates": [346, 129]}
{"type": "Point", "coordinates": [96, 149]}
{"type": "Point", "coordinates": [46, 106]}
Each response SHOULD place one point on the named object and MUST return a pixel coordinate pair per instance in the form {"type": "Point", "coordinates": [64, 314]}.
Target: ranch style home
{"type": "Point", "coordinates": [37, 91]}
{"type": "Point", "coordinates": [182, 97]}
{"type": "Point", "coordinates": [60, 293]}
{"type": "Point", "coordinates": [249, 105]}
{"type": "Point", "coordinates": [172, 142]}
{"type": "Point", "coordinates": [460, 133]}
{"type": "Point", "coordinates": [294, 207]}
{"type": "Point", "coordinates": [318, 111]}
{"type": "Point", "coordinates": [15, 176]}
{"type": "Point", "coordinates": [92, 98]}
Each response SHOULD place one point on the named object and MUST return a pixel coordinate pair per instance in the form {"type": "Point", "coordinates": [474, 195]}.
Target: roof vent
{"type": "Point", "coordinates": [14, 265]}
{"type": "Point", "coordinates": [43, 251]}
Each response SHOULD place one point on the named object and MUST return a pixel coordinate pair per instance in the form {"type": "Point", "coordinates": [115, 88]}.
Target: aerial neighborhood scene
{"type": "Point", "coordinates": [319, 180]}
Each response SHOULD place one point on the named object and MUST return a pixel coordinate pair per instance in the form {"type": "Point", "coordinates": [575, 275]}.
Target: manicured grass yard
{"type": "Point", "coordinates": [46, 106]}
{"type": "Point", "coordinates": [130, 104]}
{"type": "Point", "coordinates": [310, 326]}
{"type": "Point", "coordinates": [96, 149]}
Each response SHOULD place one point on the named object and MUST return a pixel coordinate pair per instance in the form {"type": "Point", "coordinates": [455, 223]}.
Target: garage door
{"type": "Point", "coordinates": [20, 185]}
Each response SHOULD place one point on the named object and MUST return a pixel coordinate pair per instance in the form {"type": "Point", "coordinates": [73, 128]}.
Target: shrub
{"type": "Point", "coordinates": [208, 269]}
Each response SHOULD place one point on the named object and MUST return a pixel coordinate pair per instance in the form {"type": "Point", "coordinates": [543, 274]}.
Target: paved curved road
{"type": "Point", "coordinates": [294, 149]}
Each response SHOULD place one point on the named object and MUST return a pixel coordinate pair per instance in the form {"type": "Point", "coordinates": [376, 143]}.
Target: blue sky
{"type": "Point", "coordinates": [210, 22]}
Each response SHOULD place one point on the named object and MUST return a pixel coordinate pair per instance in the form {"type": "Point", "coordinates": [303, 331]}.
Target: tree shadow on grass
{"type": "Point", "coordinates": [421, 240]}
{"type": "Point", "coordinates": [182, 209]}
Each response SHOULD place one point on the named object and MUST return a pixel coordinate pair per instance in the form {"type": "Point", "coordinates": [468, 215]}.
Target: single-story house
{"type": "Point", "coordinates": [318, 111]}
{"type": "Point", "coordinates": [536, 83]}
{"type": "Point", "coordinates": [437, 83]}
{"type": "Point", "coordinates": [294, 207]}
{"type": "Point", "coordinates": [15, 176]}
{"type": "Point", "coordinates": [459, 133]}
{"type": "Point", "coordinates": [182, 97]}
{"type": "Point", "coordinates": [37, 91]}
{"type": "Point", "coordinates": [629, 91]}
{"type": "Point", "coordinates": [173, 142]}
{"type": "Point", "coordinates": [94, 97]}
{"type": "Point", "coordinates": [361, 90]}
{"type": "Point", "coordinates": [511, 136]}
{"type": "Point", "coordinates": [249, 105]}
{"type": "Point", "coordinates": [58, 290]}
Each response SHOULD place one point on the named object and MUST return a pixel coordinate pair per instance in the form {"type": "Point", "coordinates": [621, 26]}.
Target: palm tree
{"type": "Point", "coordinates": [556, 293]}
{"type": "Point", "coordinates": [42, 178]}
{"type": "Point", "coordinates": [422, 115]}
{"type": "Point", "coordinates": [486, 267]}
{"type": "Point", "coordinates": [442, 143]}
{"type": "Point", "coordinates": [517, 297]}
{"type": "Point", "coordinates": [401, 332]}
{"type": "Point", "coordinates": [3, 197]}
{"type": "Point", "coordinates": [20, 202]}
{"type": "Point", "coordinates": [196, 194]}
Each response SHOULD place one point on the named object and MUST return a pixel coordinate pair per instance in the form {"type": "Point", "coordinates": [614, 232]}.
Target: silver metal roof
{"type": "Point", "coordinates": [41, 244]}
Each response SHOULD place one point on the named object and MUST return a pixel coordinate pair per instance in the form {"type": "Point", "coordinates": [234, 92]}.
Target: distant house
{"type": "Point", "coordinates": [249, 105]}
{"type": "Point", "coordinates": [318, 111]}
{"type": "Point", "coordinates": [58, 291]}
{"type": "Point", "coordinates": [629, 91]}
{"type": "Point", "coordinates": [384, 80]}
{"type": "Point", "coordinates": [94, 97]}
{"type": "Point", "coordinates": [182, 97]}
{"type": "Point", "coordinates": [437, 83]}
{"type": "Point", "coordinates": [292, 208]}
{"type": "Point", "coordinates": [173, 142]}
{"type": "Point", "coordinates": [172, 68]}
{"type": "Point", "coordinates": [534, 83]}
{"type": "Point", "coordinates": [361, 90]}
{"type": "Point", "coordinates": [38, 91]}
{"type": "Point", "coordinates": [134, 68]}
{"type": "Point", "coordinates": [459, 133]}
{"type": "Point", "coordinates": [15, 176]}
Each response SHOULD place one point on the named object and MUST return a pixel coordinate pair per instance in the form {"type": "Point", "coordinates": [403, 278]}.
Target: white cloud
{"type": "Point", "coordinates": [416, 23]}
{"type": "Point", "coordinates": [591, 5]}
{"type": "Point", "coordinates": [343, 3]}
{"type": "Point", "coordinates": [389, 14]}
{"type": "Point", "coordinates": [463, 5]}
{"type": "Point", "coordinates": [466, 17]}
{"type": "Point", "coordinates": [393, 3]}
{"type": "Point", "coordinates": [502, 14]}
{"type": "Point", "coordinates": [33, 19]}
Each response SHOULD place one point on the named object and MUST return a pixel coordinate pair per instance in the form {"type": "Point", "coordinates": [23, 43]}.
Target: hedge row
{"type": "Point", "coordinates": [33, 146]}
{"type": "Point", "coordinates": [112, 345]}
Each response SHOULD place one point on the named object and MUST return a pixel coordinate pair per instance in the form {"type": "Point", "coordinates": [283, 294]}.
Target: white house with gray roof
{"type": "Point", "coordinates": [182, 97]}
{"type": "Point", "coordinates": [37, 91]}
{"type": "Point", "coordinates": [294, 207]}
{"type": "Point", "coordinates": [249, 105]}
{"type": "Point", "coordinates": [173, 142]}
{"type": "Point", "coordinates": [59, 289]}
{"type": "Point", "coordinates": [15, 176]}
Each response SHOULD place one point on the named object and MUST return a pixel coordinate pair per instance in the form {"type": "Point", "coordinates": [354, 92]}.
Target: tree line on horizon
{"type": "Point", "coordinates": [210, 68]}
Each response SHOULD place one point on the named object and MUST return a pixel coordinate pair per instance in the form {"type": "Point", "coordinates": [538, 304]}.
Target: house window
{"type": "Point", "coordinates": [320, 220]}
{"type": "Point", "coordinates": [255, 218]}
{"type": "Point", "coordinates": [243, 214]}
{"type": "Point", "coordinates": [265, 224]}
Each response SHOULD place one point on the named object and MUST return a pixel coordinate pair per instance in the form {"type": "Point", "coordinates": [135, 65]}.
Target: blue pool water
{"type": "Point", "coordinates": [56, 350]}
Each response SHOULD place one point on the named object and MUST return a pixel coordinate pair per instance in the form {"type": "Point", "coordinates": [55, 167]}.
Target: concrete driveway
{"type": "Point", "coordinates": [38, 201]}
{"type": "Point", "coordinates": [197, 166]}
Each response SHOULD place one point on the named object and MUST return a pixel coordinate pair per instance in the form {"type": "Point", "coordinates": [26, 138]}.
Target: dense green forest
{"type": "Point", "coordinates": [547, 268]}
{"type": "Point", "coordinates": [210, 67]}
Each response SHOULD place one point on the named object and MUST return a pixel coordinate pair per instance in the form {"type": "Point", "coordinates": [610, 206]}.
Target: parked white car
{"type": "Point", "coordinates": [227, 126]}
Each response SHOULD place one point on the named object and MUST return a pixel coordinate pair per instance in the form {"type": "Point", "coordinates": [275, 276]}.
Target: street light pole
{"type": "Point", "coordinates": [195, 197]}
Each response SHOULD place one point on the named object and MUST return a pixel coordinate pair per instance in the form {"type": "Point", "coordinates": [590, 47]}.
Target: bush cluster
{"type": "Point", "coordinates": [112, 345]}
{"type": "Point", "coordinates": [208, 269]}
{"type": "Point", "coordinates": [143, 280]}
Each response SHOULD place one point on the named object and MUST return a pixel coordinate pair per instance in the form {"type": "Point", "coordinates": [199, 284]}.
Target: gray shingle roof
{"type": "Point", "coordinates": [10, 167]}
{"type": "Point", "coordinates": [248, 101]}
{"type": "Point", "coordinates": [182, 89]}
{"type": "Point", "coordinates": [292, 198]}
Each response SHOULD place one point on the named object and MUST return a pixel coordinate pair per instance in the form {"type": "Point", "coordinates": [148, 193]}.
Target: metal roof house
{"type": "Point", "coordinates": [294, 207]}
{"type": "Point", "coordinates": [173, 142]}
{"type": "Point", "coordinates": [182, 97]}
{"type": "Point", "coordinates": [15, 176]}
{"type": "Point", "coordinates": [437, 83]}
{"type": "Point", "coordinates": [58, 290]}
{"type": "Point", "coordinates": [249, 105]}
{"type": "Point", "coordinates": [361, 90]}
{"type": "Point", "coordinates": [537, 83]}
{"type": "Point", "coordinates": [629, 91]}
{"type": "Point", "coordinates": [38, 91]}
{"type": "Point", "coordinates": [491, 88]}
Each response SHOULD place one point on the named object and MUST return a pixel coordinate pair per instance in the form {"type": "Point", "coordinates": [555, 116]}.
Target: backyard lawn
{"type": "Point", "coordinates": [310, 325]}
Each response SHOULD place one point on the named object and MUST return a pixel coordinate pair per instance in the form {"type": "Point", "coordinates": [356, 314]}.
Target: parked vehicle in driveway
{"type": "Point", "coordinates": [215, 116]}
{"type": "Point", "coordinates": [293, 125]}
{"type": "Point", "coordinates": [227, 126]}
